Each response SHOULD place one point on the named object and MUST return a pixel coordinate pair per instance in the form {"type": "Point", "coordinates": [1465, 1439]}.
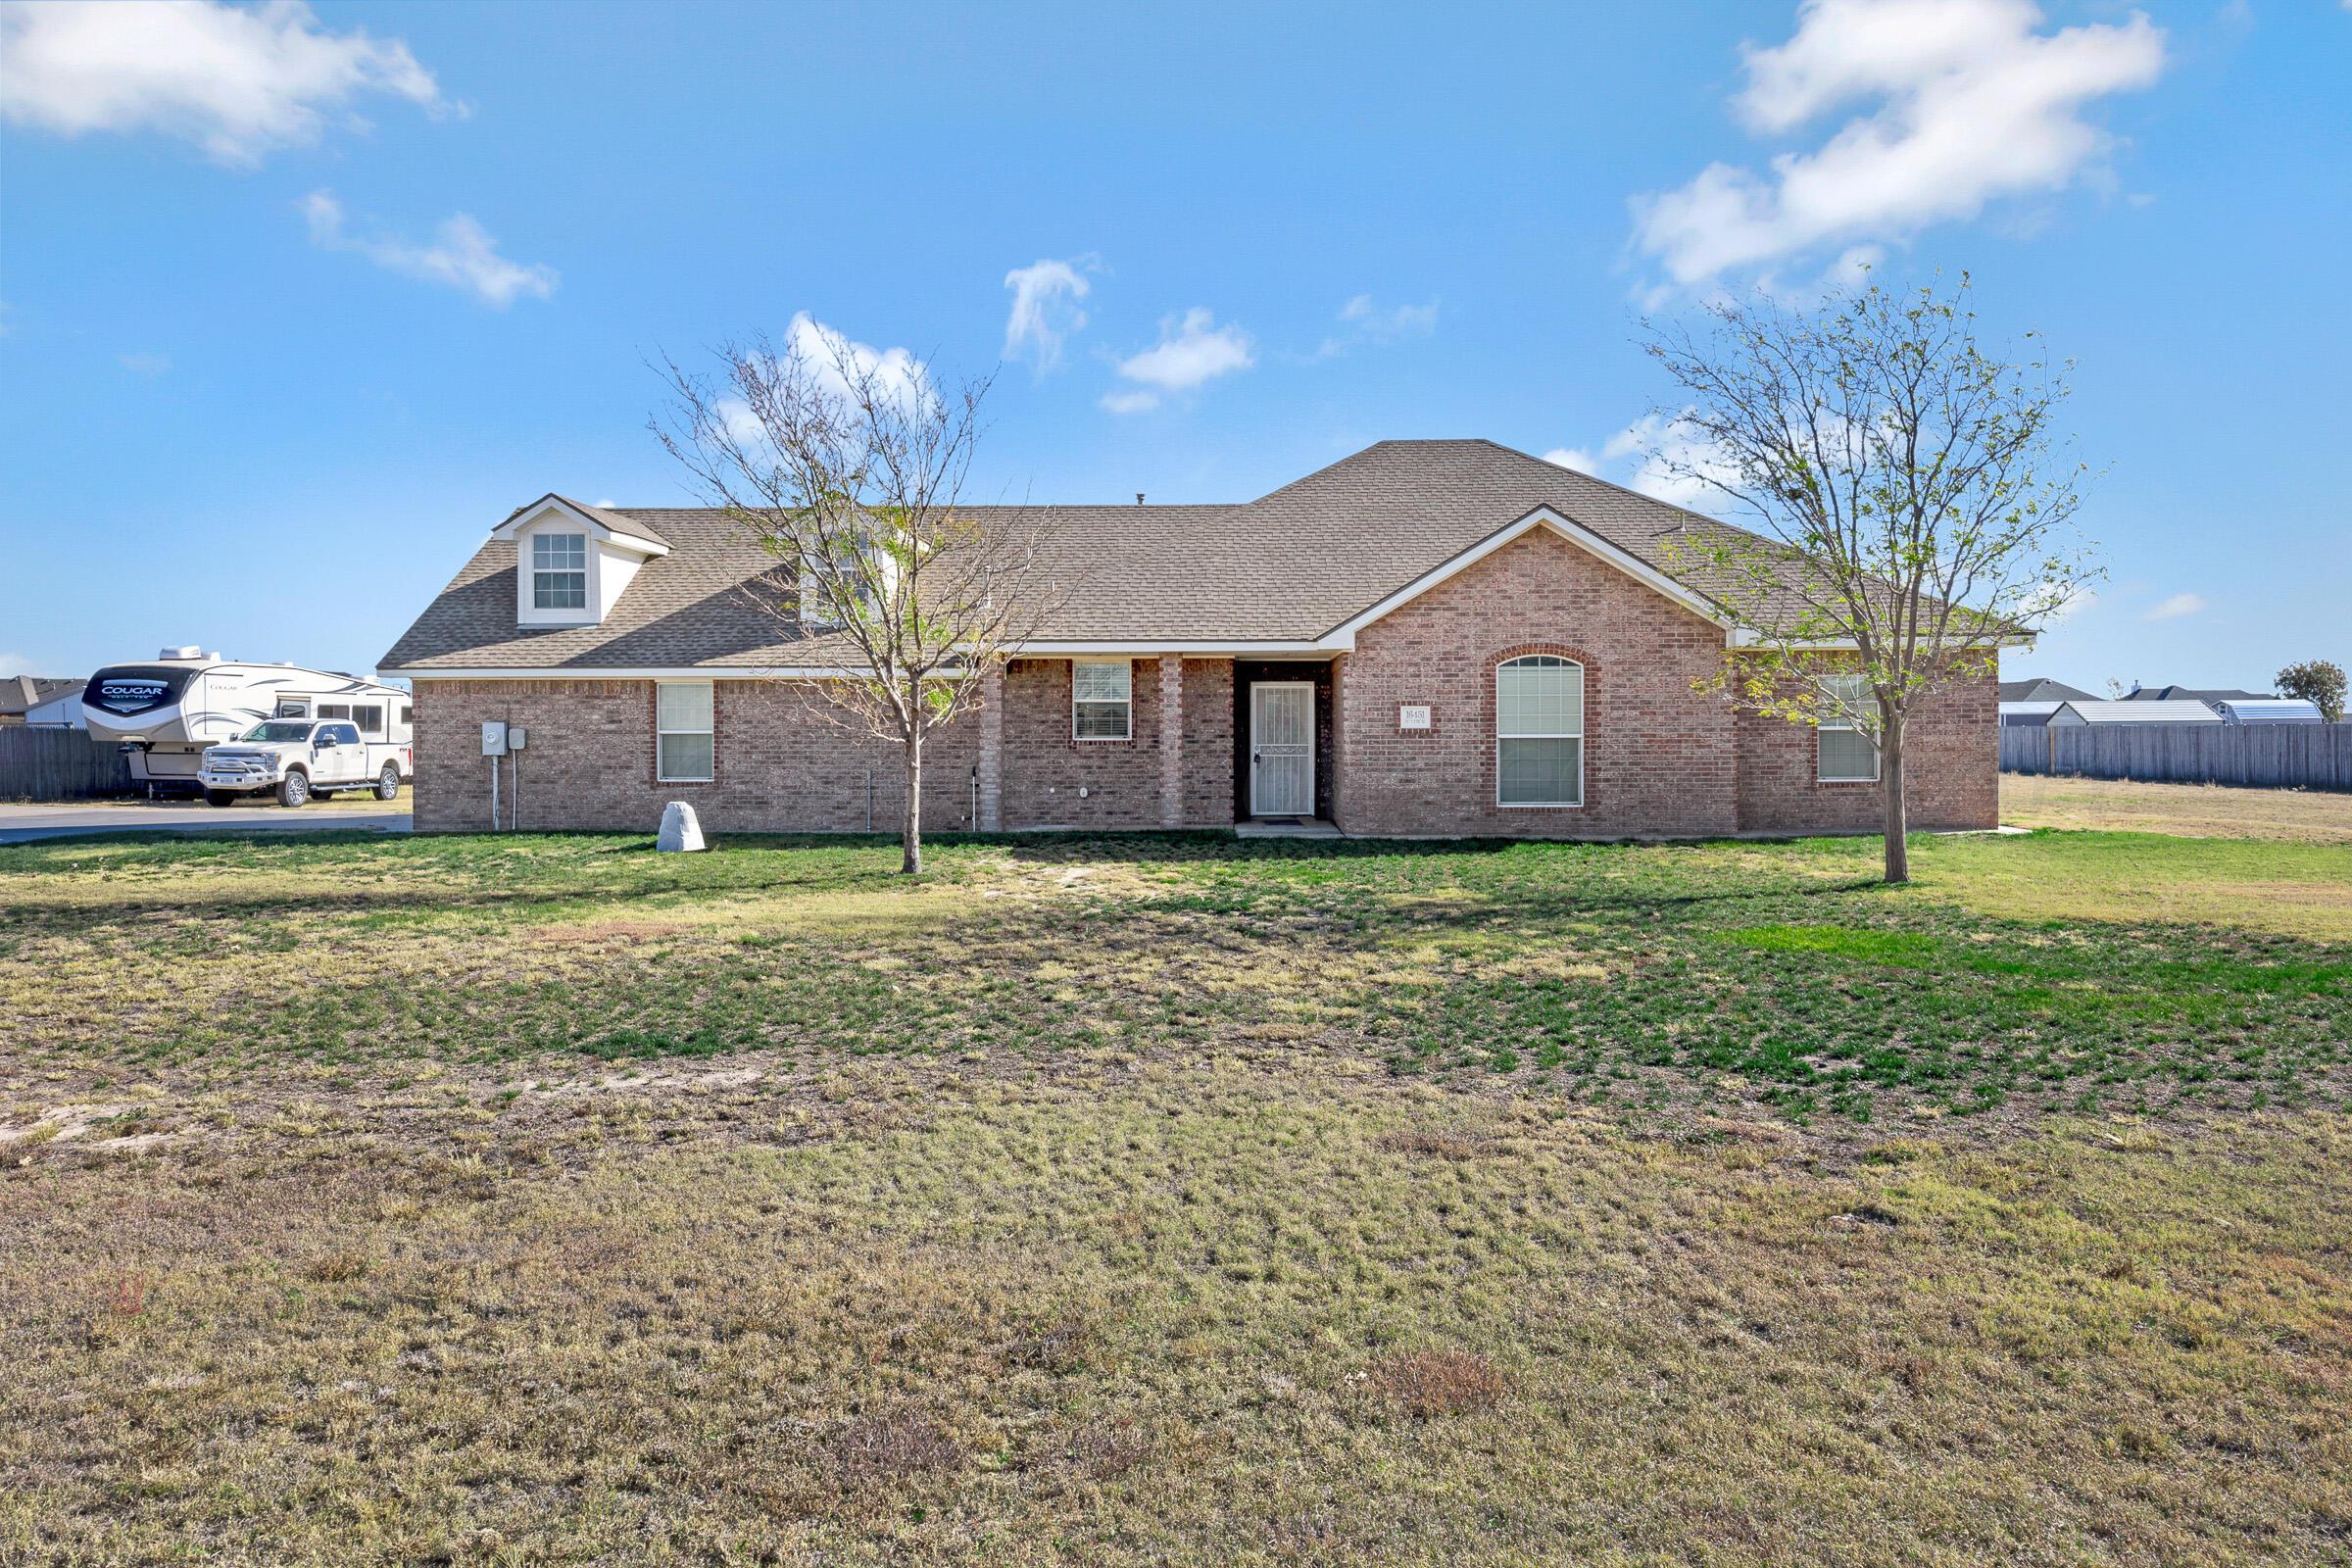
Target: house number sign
{"type": "Point", "coordinates": [1412, 715]}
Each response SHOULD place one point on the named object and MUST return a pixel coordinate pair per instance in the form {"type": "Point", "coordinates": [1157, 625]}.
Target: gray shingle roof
{"type": "Point", "coordinates": [19, 693]}
{"type": "Point", "coordinates": [1289, 567]}
{"type": "Point", "coordinates": [2040, 689]}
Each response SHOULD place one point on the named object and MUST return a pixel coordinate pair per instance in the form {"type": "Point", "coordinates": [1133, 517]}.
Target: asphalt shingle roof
{"type": "Point", "coordinates": [20, 693]}
{"type": "Point", "coordinates": [1289, 567]}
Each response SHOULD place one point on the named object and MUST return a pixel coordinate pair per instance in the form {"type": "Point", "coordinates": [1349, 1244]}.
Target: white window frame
{"type": "Point", "coordinates": [1126, 670]}
{"type": "Point", "coordinates": [662, 732]}
{"type": "Point", "coordinates": [1833, 721]}
{"type": "Point", "coordinates": [540, 573]}
{"type": "Point", "coordinates": [1577, 735]}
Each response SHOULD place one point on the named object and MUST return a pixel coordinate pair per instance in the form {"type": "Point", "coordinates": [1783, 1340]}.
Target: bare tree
{"type": "Point", "coordinates": [1911, 502]}
{"type": "Point", "coordinates": [850, 468]}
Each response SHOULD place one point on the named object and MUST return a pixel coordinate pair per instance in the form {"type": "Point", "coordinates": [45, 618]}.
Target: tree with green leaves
{"type": "Point", "coordinates": [1910, 502]}
{"type": "Point", "coordinates": [2317, 681]}
{"type": "Point", "coordinates": [850, 467]}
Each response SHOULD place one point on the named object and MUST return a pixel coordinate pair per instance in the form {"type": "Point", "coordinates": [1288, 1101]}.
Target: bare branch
{"type": "Point", "coordinates": [851, 471]}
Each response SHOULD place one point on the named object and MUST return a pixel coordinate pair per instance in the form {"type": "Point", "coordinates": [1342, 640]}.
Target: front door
{"type": "Point", "coordinates": [1281, 748]}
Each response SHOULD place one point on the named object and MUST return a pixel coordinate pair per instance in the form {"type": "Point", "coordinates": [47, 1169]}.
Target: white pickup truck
{"type": "Point", "coordinates": [299, 758]}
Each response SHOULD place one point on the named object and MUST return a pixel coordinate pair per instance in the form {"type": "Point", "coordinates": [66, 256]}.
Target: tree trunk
{"type": "Point", "coordinates": [1890, 782]}
{"type": "Point", "coordinates": [910, 830]}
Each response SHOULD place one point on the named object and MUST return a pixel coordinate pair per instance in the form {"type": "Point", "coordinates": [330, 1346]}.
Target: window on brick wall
{"type": "Point", "coordinates": [1102, 700]}
{"type": "Point", "coordinates": [684, 732]}
{"type": "Point", "coordinates": [558, 572]}
{"type": "Point", "coordinates": [1849, 756]}
{"type": "Point", "coordinates": [1540, 731]}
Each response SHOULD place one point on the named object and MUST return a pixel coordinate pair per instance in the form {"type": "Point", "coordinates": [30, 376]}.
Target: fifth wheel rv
{"type": "Point", "coordinates": [165, 713]}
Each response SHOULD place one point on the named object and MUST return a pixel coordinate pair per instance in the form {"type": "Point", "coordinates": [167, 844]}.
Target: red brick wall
{"type": "Point", "coordinates": [1045, 766]}
{"type": "Point", "coordinates": [589, 761]}
{"type": "Point", "coordinates": [1659, 757]}
{"type": "Point", "coordinates": [1952, 764]}
{"type": "Point", "coordinates": [1208, 742]}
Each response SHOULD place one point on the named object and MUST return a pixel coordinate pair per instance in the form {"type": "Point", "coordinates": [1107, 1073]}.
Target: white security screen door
{"type": "Point", "coordinates": [1281, 748]}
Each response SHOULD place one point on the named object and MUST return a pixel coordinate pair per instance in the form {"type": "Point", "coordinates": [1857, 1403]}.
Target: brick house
{"type": "Point", "coordinates": [1429, 638]}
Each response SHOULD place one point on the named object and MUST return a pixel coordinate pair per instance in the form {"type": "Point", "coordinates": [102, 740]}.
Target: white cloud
{"type": "Point", "coordinates": [2050, 604]}
{"type": "Point", "coordinates": [895, 372]}
{"type": "Point", "coordinates": [1193, 350]}
{"type": "Point", "coordinates": [462, 255]}
{"type": "Point", "coordinates": [1046, 312]}
{"type": "Point", "coordinates": [240, 83]}
{"type": "Point", "coordinates": [2177, 606]}
{"type": "Point", "coordinates": [149, 365]}
{"type": "Point", "coordinates": [1365, 322]}
{"type": "Point", "coordinates": [743, 426]}
{"type": "Point", "coordinates": [1972, 104]}
{"type": "Point", "coordinates": [15, 665]}
{"type": "Point", "coordinates": [832, 356]}
{"type": "Point", "coordinates": [1657, 455]}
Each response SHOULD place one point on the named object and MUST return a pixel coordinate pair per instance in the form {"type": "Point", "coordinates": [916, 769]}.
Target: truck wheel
{"type": "Point", "coordinates": [219, 797]}
{"type": "Point", "coordinates": [294, 788]}
{"type": "Point", "coordinates": [387, 783]}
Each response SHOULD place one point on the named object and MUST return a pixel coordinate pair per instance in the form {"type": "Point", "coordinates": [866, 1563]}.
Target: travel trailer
{"type": "Point", "coordinates": [165, 713]}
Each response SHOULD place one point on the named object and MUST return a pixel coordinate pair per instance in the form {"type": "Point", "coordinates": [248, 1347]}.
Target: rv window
{"type": "Point", "coordinates": [293, 709]}
{"type": "Point", "coordinates": [405, 713]}
{"type": "Point", "coordinates": [334, 710]}
{"type": "Point", "coordinates": [369, 717]}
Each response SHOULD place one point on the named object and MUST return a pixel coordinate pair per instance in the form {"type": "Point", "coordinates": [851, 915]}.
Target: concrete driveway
{"type": "Point", "coordinates": [21, 824]}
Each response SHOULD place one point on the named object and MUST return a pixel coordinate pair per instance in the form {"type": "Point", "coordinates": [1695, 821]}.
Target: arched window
{"type": "Point", "coordinates": [1540, 731]}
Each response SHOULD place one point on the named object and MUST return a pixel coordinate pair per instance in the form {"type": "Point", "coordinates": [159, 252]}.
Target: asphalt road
{"type": "Point", "coordinates": [20, 825]}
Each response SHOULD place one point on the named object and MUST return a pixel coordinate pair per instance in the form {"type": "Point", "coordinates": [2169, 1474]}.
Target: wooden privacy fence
{"type": "Point", "coordinates": [2310, 757]}
{"type": "Point", "coordinates": [59, 764]}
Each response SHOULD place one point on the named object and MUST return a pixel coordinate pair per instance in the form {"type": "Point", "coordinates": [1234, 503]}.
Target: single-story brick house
{"type": "Point", "coordinates": [1429, 638]}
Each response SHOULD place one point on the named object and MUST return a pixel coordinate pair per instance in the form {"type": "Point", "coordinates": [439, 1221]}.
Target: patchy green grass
{"type": "Point", "coordinates": [1174, 1200]}
{"type": "Point", "coordinates": [1643, 977]}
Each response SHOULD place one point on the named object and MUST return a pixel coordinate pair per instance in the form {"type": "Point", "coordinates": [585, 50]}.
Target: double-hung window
{"type": "Point", "coordinates": [558, 572]}
{"type": "Point", "coordinates": [1102, 700]}
{"type": "Point", "coordinates": [684, 732]}
{"type": "Point", "coordinates": [1540, 731]}
{"type": "Point", "coordinates": [1849, 756]}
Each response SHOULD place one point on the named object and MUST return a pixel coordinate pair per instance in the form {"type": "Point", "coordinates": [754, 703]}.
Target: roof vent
{"type": "Point", "coordinates": [1139, 498]}
{"type": "Point", "coordinates": [191, 650]}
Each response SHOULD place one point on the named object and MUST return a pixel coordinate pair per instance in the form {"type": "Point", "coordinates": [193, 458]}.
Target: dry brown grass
{"type": "Point", "coordinates": [1111, 1310]}
{"type": "Point", "coordinates": [1142, 1233]}
{"type": "Point", "coordinates": [2193, 810]}
{"type": "Point", "coordinates": [1427, 1383]}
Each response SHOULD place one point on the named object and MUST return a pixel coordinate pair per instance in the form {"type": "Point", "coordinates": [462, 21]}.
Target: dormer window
{"type": "Point", "coordinates": [558, 572]}
{"type": "Point", "coordinates": [573, 562]}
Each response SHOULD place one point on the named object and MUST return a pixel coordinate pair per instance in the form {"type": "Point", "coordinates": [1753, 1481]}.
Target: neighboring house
{"type": "Point", "coordinates": [38, 701]}
{"type": "Point", "coordinates": [2033, 716]}
{"type": "Point", "coordinates": [2179, 694]}
{"type": "Point", "coordinates": [1435, 638]}
{"type": "Point", "coordinates": [2133, 712]}
{"type": "Point", "coordinates": [2268, 711]}
{"type": "Point", "coordinates": [2038, 690]}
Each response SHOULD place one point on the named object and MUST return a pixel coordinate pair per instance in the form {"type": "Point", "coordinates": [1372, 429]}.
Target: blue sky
{"type": "Point", "coordinates": [295, 303]}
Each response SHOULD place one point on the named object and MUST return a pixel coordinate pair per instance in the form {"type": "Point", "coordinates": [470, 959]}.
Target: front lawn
{"type": "Point", "coordinates": [1175, 1201]}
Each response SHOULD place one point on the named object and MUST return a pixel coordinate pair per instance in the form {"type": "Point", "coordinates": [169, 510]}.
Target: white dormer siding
{"type": "Point", "coordinates": [570, 568]}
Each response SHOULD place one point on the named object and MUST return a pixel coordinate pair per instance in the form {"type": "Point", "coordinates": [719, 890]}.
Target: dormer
{"type": "Point", "coordinates": [571, 562]}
